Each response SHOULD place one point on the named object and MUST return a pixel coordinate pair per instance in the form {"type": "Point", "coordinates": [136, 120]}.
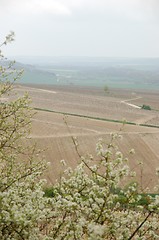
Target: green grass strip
{"type": "Point", "coordinates": [95, 118]}
{"type": "Point", "coordinates": [85, 116]}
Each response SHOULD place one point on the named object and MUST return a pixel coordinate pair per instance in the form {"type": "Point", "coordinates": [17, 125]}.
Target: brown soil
{"type": "Point", "coordinates": [54, 131]}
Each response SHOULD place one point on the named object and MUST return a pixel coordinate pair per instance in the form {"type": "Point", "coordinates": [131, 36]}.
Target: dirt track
{"type": "Point", "coordinates": [94, 102]}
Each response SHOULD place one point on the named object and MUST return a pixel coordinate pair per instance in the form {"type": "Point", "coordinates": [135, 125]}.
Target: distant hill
{"type": "Point", "coordinates": [131, 73]}
{"type": "Point", "coordinates": [31, 73]}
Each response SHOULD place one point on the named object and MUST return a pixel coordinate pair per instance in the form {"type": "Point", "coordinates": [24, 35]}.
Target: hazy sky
{"type": "Point", "coordinates": [110, 28]}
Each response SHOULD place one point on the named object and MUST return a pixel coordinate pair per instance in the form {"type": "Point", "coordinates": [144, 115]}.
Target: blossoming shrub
{"type": "Point", "coordinates": [22, 205]}
{"type": "Point", "coordinates": [91, 201]}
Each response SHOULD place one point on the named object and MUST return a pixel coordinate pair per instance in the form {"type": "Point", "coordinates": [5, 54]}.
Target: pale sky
{"type": "Point", "coordinates": [100, 28]}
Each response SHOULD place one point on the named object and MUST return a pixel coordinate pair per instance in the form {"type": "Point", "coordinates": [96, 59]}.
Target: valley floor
{"type": "Point", "coordinates": [55, 131]}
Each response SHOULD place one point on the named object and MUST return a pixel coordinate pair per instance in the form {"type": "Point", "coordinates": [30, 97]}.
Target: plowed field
{"type": "Point", "coordinates": [54, 131]}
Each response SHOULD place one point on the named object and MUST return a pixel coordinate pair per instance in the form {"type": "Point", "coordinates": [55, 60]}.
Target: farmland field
{"type": "Point", "coordinates": [53, 131]}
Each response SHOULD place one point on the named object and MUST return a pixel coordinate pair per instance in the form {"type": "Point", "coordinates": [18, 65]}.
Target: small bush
{"type": "Point", "coordinates": [146, 107]}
